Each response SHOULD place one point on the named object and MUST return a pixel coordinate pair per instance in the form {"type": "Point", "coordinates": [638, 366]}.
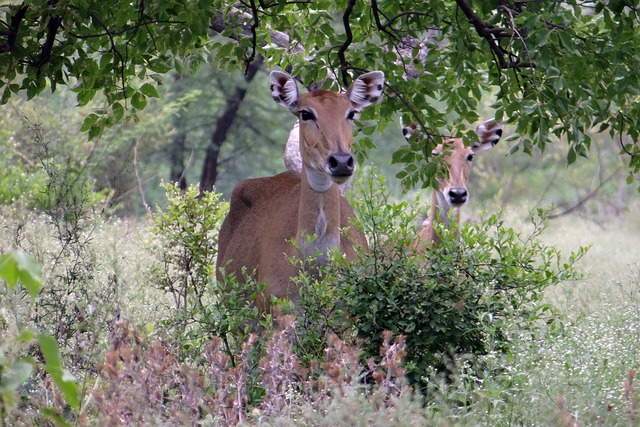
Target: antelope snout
{"type": "Point", "coordinates": [458, 195]}
{"type": "Point", "coordinates": [341, 164]}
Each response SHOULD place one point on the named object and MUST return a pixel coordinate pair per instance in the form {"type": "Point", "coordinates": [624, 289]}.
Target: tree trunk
{"type": "Point", "coordinates": [223, 124]}
{"type": "Point", "coordinates": [176, 159]}
{"type": "Point", "coordinates": [175, 151]}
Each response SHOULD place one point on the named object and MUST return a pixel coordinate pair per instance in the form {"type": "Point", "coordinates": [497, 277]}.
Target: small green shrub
{"type": "Point", "coordinates": [186, 243]}
{"type": "Point", "coordinates": [462, 297]}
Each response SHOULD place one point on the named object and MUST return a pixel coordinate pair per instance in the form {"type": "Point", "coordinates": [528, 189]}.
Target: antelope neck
{"type": "Point", "coordinates": [319, 214]}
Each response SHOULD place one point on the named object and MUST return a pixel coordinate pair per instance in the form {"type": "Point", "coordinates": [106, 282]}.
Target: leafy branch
{"type": "Point", "coordinates": [493, 35]}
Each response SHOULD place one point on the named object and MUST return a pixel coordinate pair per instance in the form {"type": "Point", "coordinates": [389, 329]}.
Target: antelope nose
{"type": "Point", "coordinates": [458, 195]}
{"type": "Point", "coordinates": [341, 164]}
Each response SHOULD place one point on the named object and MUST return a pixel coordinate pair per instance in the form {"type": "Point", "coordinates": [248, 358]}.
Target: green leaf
{"type": "Point", "coordinates": [565, 40]}
{"type": "Point", "coordinates": [149, 90]}
{"type": "Point", "coordinates": [139, 101]}
{"type": "Point", "coordinates": [15, 376]}
{"type": "Point", "coordinates": [118, 110]}
{"type": "Point", "coordinates": [95, 131]}
{"type": "Point", "coordinates": [571, 155]}
{"type": "Point", "coordinates": [20, 266]}
{"type": "Point", "coordinates": [84, 96]}
{"type": "Point", "coordinates": [9, 270]}
{"type": "Point", "coordinates": [88, 122]}
{"type": "Point", "coordinates": [61, 377]}
{"type": "Point", "coordinates": [29, 272]}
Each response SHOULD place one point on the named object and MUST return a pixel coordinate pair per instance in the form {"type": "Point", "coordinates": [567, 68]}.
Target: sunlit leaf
{"type": "Point", "coordinates": [15, 376]}
{"type": "Point", "coordinates": [63, 379]}
{"type": "Point", "coordinates": [149, 90]}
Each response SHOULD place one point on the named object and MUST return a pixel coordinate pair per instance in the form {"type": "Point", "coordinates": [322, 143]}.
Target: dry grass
{"type": "Point", "coordinates": [581, 374]}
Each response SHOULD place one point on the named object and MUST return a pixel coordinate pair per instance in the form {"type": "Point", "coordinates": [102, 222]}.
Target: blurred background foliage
{"type": "Point", "coordinates": [126, 165]}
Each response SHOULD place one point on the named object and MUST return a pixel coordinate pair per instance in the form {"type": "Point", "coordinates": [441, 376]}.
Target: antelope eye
{"type": "Point", "coordinates": [470, 157]}
{"type": "Point", "coordinates": [353, 115]}
{"type": "Point", "coordinates": [306, 115]}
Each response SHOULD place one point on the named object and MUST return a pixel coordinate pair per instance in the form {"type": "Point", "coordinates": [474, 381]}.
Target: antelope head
{"type": "Point", "coordinates": [452, 189]}
{"type": "Point", "coordinates": [326, 124]}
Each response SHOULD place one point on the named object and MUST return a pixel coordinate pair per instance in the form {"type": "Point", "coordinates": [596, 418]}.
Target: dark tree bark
{"type": "Point", "coordinates": [176, 159]}
{"type": "Point", "coordinates": [223, 124]}
{"type": "Point", "coordinates": [176, 150]}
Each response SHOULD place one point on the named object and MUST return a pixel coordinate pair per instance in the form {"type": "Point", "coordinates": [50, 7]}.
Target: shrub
{"type": "Point", "coordinates": [459, 298]}
{"type": "Point", "coordinates": [186, 243]}
{"type": "Point", "coordinates": [146, 384]}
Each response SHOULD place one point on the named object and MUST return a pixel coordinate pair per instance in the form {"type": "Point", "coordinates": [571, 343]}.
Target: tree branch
{"type": "Point", "coordinates": [344, 66]}
{"type": "Point", "coordinates": [622, 144]}
{"type": "Point", "coordinates": [254, 37]}
{"type": "Point", "coordinates": [53, 25]}
{"type": "Point", "coordinates": [376, 16]}
{"type": "Point", "coordinates": [492, 35]}
{"type": "Point", "coordinates": [12, 30]}
{"type": "Point", "coordinates": [585, 199]}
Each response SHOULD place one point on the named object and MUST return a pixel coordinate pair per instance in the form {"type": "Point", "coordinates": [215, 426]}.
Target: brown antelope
{"type": "Point", "coordinates": [452, 192]}
{"type": "Point", "coordinates": [266, 214]}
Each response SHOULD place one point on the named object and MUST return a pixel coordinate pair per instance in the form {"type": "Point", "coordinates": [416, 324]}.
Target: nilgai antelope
{"type": "Point", "coordinates": [452, 192]}
{"type": "Point", "coordinates": [267, 214]}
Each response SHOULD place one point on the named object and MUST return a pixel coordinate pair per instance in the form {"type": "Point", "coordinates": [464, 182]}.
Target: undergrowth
{"type": "Point", "coordinates": [462, 337]}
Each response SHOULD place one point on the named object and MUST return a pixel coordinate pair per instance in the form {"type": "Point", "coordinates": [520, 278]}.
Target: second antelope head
{"type": "Point", "coordinates": [452, 192]}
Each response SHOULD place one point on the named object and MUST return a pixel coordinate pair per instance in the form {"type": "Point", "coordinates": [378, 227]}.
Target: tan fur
{"type": "Point", "coordinates": [266, 214]}
{"type": "Point", "coordinates": [456, 156]}
{"type": "Point", "coordinates": [266, 252]}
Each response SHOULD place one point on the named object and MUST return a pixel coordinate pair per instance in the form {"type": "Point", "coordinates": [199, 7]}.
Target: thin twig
{"type": "Point", "coordinates": [254, 36]}
{"type": "Point", "coordinates": [139, 179]}
{"type": "Point", "coordinates": [586, 198]}
{"type": "Point", "coordinates": [622, 145]}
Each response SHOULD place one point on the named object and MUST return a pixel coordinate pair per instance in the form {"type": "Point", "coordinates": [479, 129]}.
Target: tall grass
{"type": "Point", "coordinates": [611, 263]}
{"type": "Point", "coordinates": [576, 371]}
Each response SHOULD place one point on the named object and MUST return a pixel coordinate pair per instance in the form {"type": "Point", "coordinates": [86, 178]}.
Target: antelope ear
{"type": "Point", "coordinates": [366, 89]}
{"type": "Point", "coordinates": [489, 134]}
{"type": "Point", "coordinates": [284, 89]}
{"type": "Point", "coordinates": [408, 131]}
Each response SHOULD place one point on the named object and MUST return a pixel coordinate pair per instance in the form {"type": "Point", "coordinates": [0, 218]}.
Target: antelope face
{"type": "Point", "coordinates": [326, 134]}
{"type": "Point", "coordinates": [453, 185]}
{"type": "Point", "coordinates": [326, 122]}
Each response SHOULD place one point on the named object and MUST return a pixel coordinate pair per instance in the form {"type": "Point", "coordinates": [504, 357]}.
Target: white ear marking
{"type": "Point", "coordinates": [366, 89]}
{"type": "Point", "coordinates": [284, 89]}
{"type": "Point", "coordinates": [408, 131]}
{"type": "Point", "coordinates": [489, 134]}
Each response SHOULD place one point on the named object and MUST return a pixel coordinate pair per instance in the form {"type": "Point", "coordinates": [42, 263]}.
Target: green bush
{"type": "Point", "coordinates": [186, 244]}
{"type": "Point", "coordinates": [462, 297]}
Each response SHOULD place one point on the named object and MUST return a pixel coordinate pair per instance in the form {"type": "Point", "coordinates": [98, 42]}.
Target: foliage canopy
{"type": "Point", "coordinates": [553, 69]}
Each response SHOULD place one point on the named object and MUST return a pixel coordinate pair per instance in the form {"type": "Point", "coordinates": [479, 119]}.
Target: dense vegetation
{"type": "Point", "coordinates": [126, 326]}
{"type": "Point", "coordinates": [110, 313]}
